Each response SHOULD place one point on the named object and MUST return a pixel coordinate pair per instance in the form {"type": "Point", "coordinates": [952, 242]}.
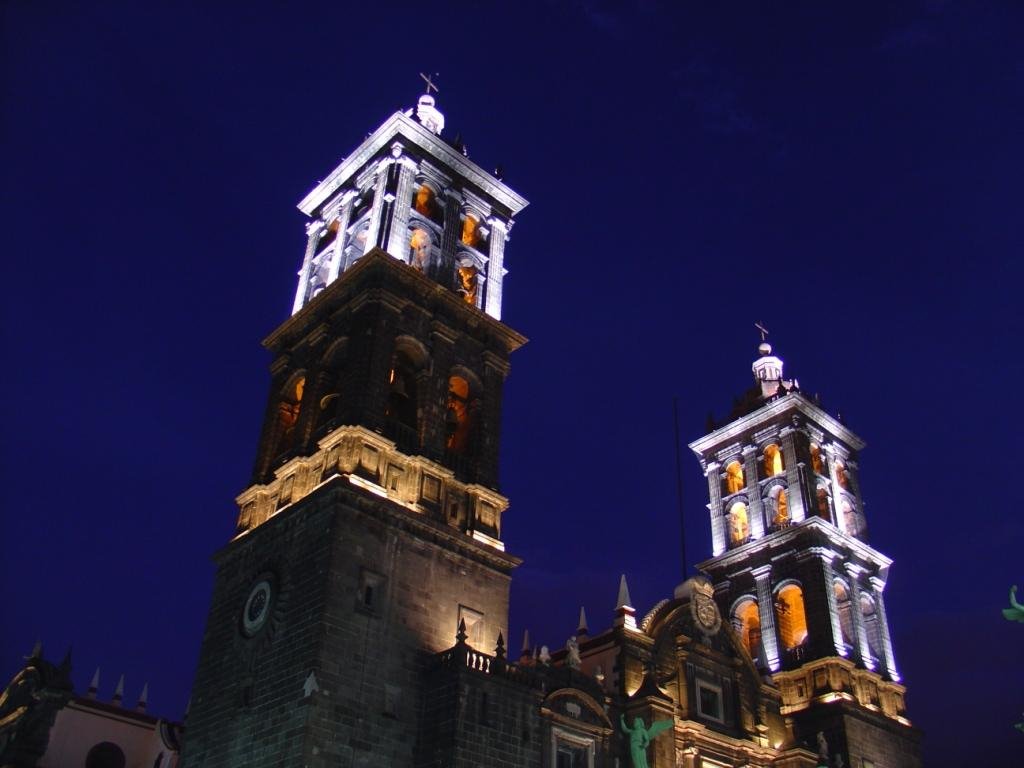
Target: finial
{"type": "Point", "coordinates": [119, 691]}
{"type": "Point", "coordinates": [581, 628]}
{"type": "Point", "coordinates": [140, 705]}
{"type": "Point", "coordinates": [37, 650]}
{"type": "Point", "coordinates": [94, 684]}
{"type": "Point", "coordinates": [526, 643]}
{"type": "Point", "coordinates": [460, 636]}
{"type": "Point", "coordinates": [427, 113]}
{"type": "Point", "coordinates": [499, 647]}
{"type": "Point", "coordinates": [625, 614]}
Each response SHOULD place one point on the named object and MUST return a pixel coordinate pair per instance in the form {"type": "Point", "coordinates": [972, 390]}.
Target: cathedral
{"type": "Point", "coordinates": [359, 615]}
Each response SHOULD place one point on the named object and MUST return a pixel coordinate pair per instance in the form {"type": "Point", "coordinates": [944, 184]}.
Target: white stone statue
{"type": "Point", "coordinates": [572, 657]}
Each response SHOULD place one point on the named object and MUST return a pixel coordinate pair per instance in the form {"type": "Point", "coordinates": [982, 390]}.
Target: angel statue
{"type": "Point", "coordinates": [640, 737]}
{"type": "Point", "coordinates": [1016, 611]}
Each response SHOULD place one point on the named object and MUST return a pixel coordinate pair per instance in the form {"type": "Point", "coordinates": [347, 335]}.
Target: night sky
{"type": "Point", "coordinates": [850, 176]}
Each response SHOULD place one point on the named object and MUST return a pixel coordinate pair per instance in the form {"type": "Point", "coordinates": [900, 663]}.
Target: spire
{"type": "Point", "coordinates": [37, 650]}
{"type": "Point", "coordinates": [119, 691]}
{"type": "Point", "coordinates": [526, 644]}
{"type": "Point", "coordinates": [140, 705]}
{"type": "Point", "coordinates": [94, 684]}
{"type": "Point", "coordinates": [582, 630]}
{"type": "Point", "coordinates": [625, 614]}
{"type": "Point", "coordinates": [767, 368]}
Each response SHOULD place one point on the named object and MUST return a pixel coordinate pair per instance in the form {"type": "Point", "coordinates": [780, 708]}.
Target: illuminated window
{"type": "Point", "coordinates": [789, 606]}
{"type": "Point", "coordinates": [288, 409]}
{"type": "Point", "coordinates": [739, 525]}
{"type": "Point", "coordinates": [458, 421]}
{"type": "Point", "coordinates": [734, 477]}
{"type": "Point", "coordinates": [816, 463]}
{"type": "Point", "coordinates": [419, 248]}
{"type": "Point", "coordinates": [841, 477]}
{"type": "Point", "coordinates": [781, 517]}
{"type": "Point", "coordinates": [474, 625]}
{"type": "Point", "coordinates": [821, 495]}
{"type": "Point", "coordinates": [471, 231]}
{"type": "Point", "coordinates": [424, 201]}
{"type": "Point", "coordinates": [747, 621]}
{"type": "Point", "coordinates": [468, 281]}
{"type": "Point", "coordinates": [772, 461]}
{"type": "Point", "coordinates": [844, 609]}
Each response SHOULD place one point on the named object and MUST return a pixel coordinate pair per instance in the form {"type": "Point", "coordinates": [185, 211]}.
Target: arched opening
{"type": "Point", "coordinates": [747, 622]}
{"type": "Point", "coordinates": [289, 406]}
{"type": "Point", "coordinates": [424, 201]}
{"type": "Point", "coordinates": [772, 461]}
{"type": "Point", "coordinates": [817, 464]}
{"type": "Point", "coordinates": [469, 281]}
{"type": "Point", "coordinates": [780, 519]}
{"type": "Point", "coordinates": [471, 231]}
{"type": "Point", "coordinates": [821, 498]}
{"type": "Point", "coordinates": [106, 754]}
{"type": "Point", "coordinates": [419, 248]}
{"type": "Point", "coordinates": [872, 627]}
{"type": "Point", "coordinates": [789, 607]}
{"type": "Point", "coordinates": [847, 517]}
{"type": "Point", "coordinates": [844, 608]}
{"type": "Point", "coordinates": [402, 403]}
{"type": "Point", "coordinates": [739, 524]}
{"type": "Point", "coordinates": [841, 477]}
{"type": "Point", "coordinates": [734, 481]}
{"type": "Point", "coordinates": [458, 417]}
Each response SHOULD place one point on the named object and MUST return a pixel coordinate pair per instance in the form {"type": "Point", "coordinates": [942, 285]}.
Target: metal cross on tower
{"type": "Point", "coordinates": [430, 83]}
{"type": "Point", "coordinates": [764, 331]}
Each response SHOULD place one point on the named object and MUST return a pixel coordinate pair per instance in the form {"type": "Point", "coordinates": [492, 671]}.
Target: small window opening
{"type": "Point", "coordinates": [772, 461]}
{"type": "Point", "coordinates": [789, 605]}
{"type": "Point", "coordinates": [739, 525]}
{"type": "Point", "coordinates": [734, 480]}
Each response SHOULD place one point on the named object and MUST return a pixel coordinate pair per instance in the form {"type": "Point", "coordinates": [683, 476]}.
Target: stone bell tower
{"type": "Point", "coordinates": [794, 571]}
{"type": "Point", "coordinates": [371, 529]}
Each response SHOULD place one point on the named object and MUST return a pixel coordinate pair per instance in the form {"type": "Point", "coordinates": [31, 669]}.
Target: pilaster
{"type": "Point", "coordinates": [794, 484]}
{"type": "Point", "coordinates": [398, 237]}
{"type": "Point", "coordinates": [765, 607]}
{"type": "Point", "coordinates": [829, 575]}
{"type": "Point", "coordinates": [313, 237]}
{"type": "Point", "coordinates": [755, 507]}
{"type": "Point", "coordinates": [495, 268]}
{"type": "Point", "coordinates": [379, 186]}
{"type": "Point", "coordinates": [340, 240]}
{"type": "Point", "coordinates": [717, 520]}
{"type": "Point", "coordinates": [864, 650]}
{"type": "Point", "coordinates": [877, 587]}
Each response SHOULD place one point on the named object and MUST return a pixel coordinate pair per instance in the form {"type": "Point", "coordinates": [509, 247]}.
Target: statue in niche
{"type": "Point", "coordinates": [468, 283]}
{"type": "Point", "coordinates": [1016, 611]}
{"type": "Point", "coordinates": [640, 737]}
{"type": "Point", "coordinates": [572, 656]}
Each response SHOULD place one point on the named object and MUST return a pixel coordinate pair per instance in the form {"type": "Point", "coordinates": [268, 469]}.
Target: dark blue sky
{"type": "Point", "coordinates": [849, 174]}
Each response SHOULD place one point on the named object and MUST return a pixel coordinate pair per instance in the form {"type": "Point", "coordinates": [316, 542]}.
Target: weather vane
{"type": "Point", "coordinates": [430, 83]}
{"type": "Point", "coordinates": [764, 331]}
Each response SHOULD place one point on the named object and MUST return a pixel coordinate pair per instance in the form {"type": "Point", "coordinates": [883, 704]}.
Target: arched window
{"type": "Point", "coordinates": [841, 478]}
{"type": "Point", "coordinates": [821, 496]}
{"type": "Point", "coordinates": [734, 477]}
{"type": "Point", "coordinates": [816, 460]}
{"type": "Point", "coordinates": [424, 201]}
{"type": "Point", "coordinates": [789, 606]}
{"type": "Point", "coordinates": [401, 409]}
{"type": "Point", "coordinates": [458, 418]}
{"type": "Point", "coordinates": [847, 517]}
{"type": "Point", "coordinates": [106, 754]}
{"type": "Point", "coordinates": [772, 461]}
{"type": "Point", "coordinates": [419, 248]}
{"type": "Point", "coordinates": [843, 606]}
{"type": "Point", "coordinates": [739, 525]}
{"type": "Point", "coordinates": [471, 231]}
{"type": "Point", "coordinates": [469, 281]}
{"type": "Point", "coordinates": [747, 621]}
{"type": "Point", "coordinates": [781, 517]}
{"type": "Point", "coordinates": [288, 408]}
{"type": "Point", "coordinates": [872, 627]}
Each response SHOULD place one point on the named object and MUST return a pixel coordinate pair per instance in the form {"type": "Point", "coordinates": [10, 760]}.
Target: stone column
{"type": "Point", "coordinates": [766, 608]}
{"type": "Point", "coordinates": [864, 650]}
{"type": "Point", "coordinates": [379, 186]}
{"type": "Point", "coordinates": [313, 237]}
{"type": "Point", "coordinates": [877, 585]}
{"type": "Point", "coordinates": [794, 489]}
{"type": "Point", "coordinates": [833, 609]}
{"type": "Point", "coordinates": [344, 216]}
{"type": "Point", "coordinates": [755, 508]}
{"type": "Point", "coordinates": [495, 268]}
{"type": "Point", "coordinates": [450, 234]}
{"type": "Point", "coordinates": [398, 236]}
{"type": "Point", "coordinates": [717, 522]}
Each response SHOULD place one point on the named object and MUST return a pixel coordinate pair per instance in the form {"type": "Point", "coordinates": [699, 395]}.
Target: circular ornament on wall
{"type": "Point", "coordinates": [705, 613]}
{"type": "Point", "coordinates": [257, 606]}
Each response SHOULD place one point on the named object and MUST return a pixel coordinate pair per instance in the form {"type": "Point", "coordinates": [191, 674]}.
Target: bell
{"type": "Point", "coordinates": [398, 387]}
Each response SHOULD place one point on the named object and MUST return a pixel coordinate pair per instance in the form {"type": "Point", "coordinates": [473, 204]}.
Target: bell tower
{"type": "Point", "coordinates": [371, 529]}
{"type": "Point", "coordinates": [795, 573]}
